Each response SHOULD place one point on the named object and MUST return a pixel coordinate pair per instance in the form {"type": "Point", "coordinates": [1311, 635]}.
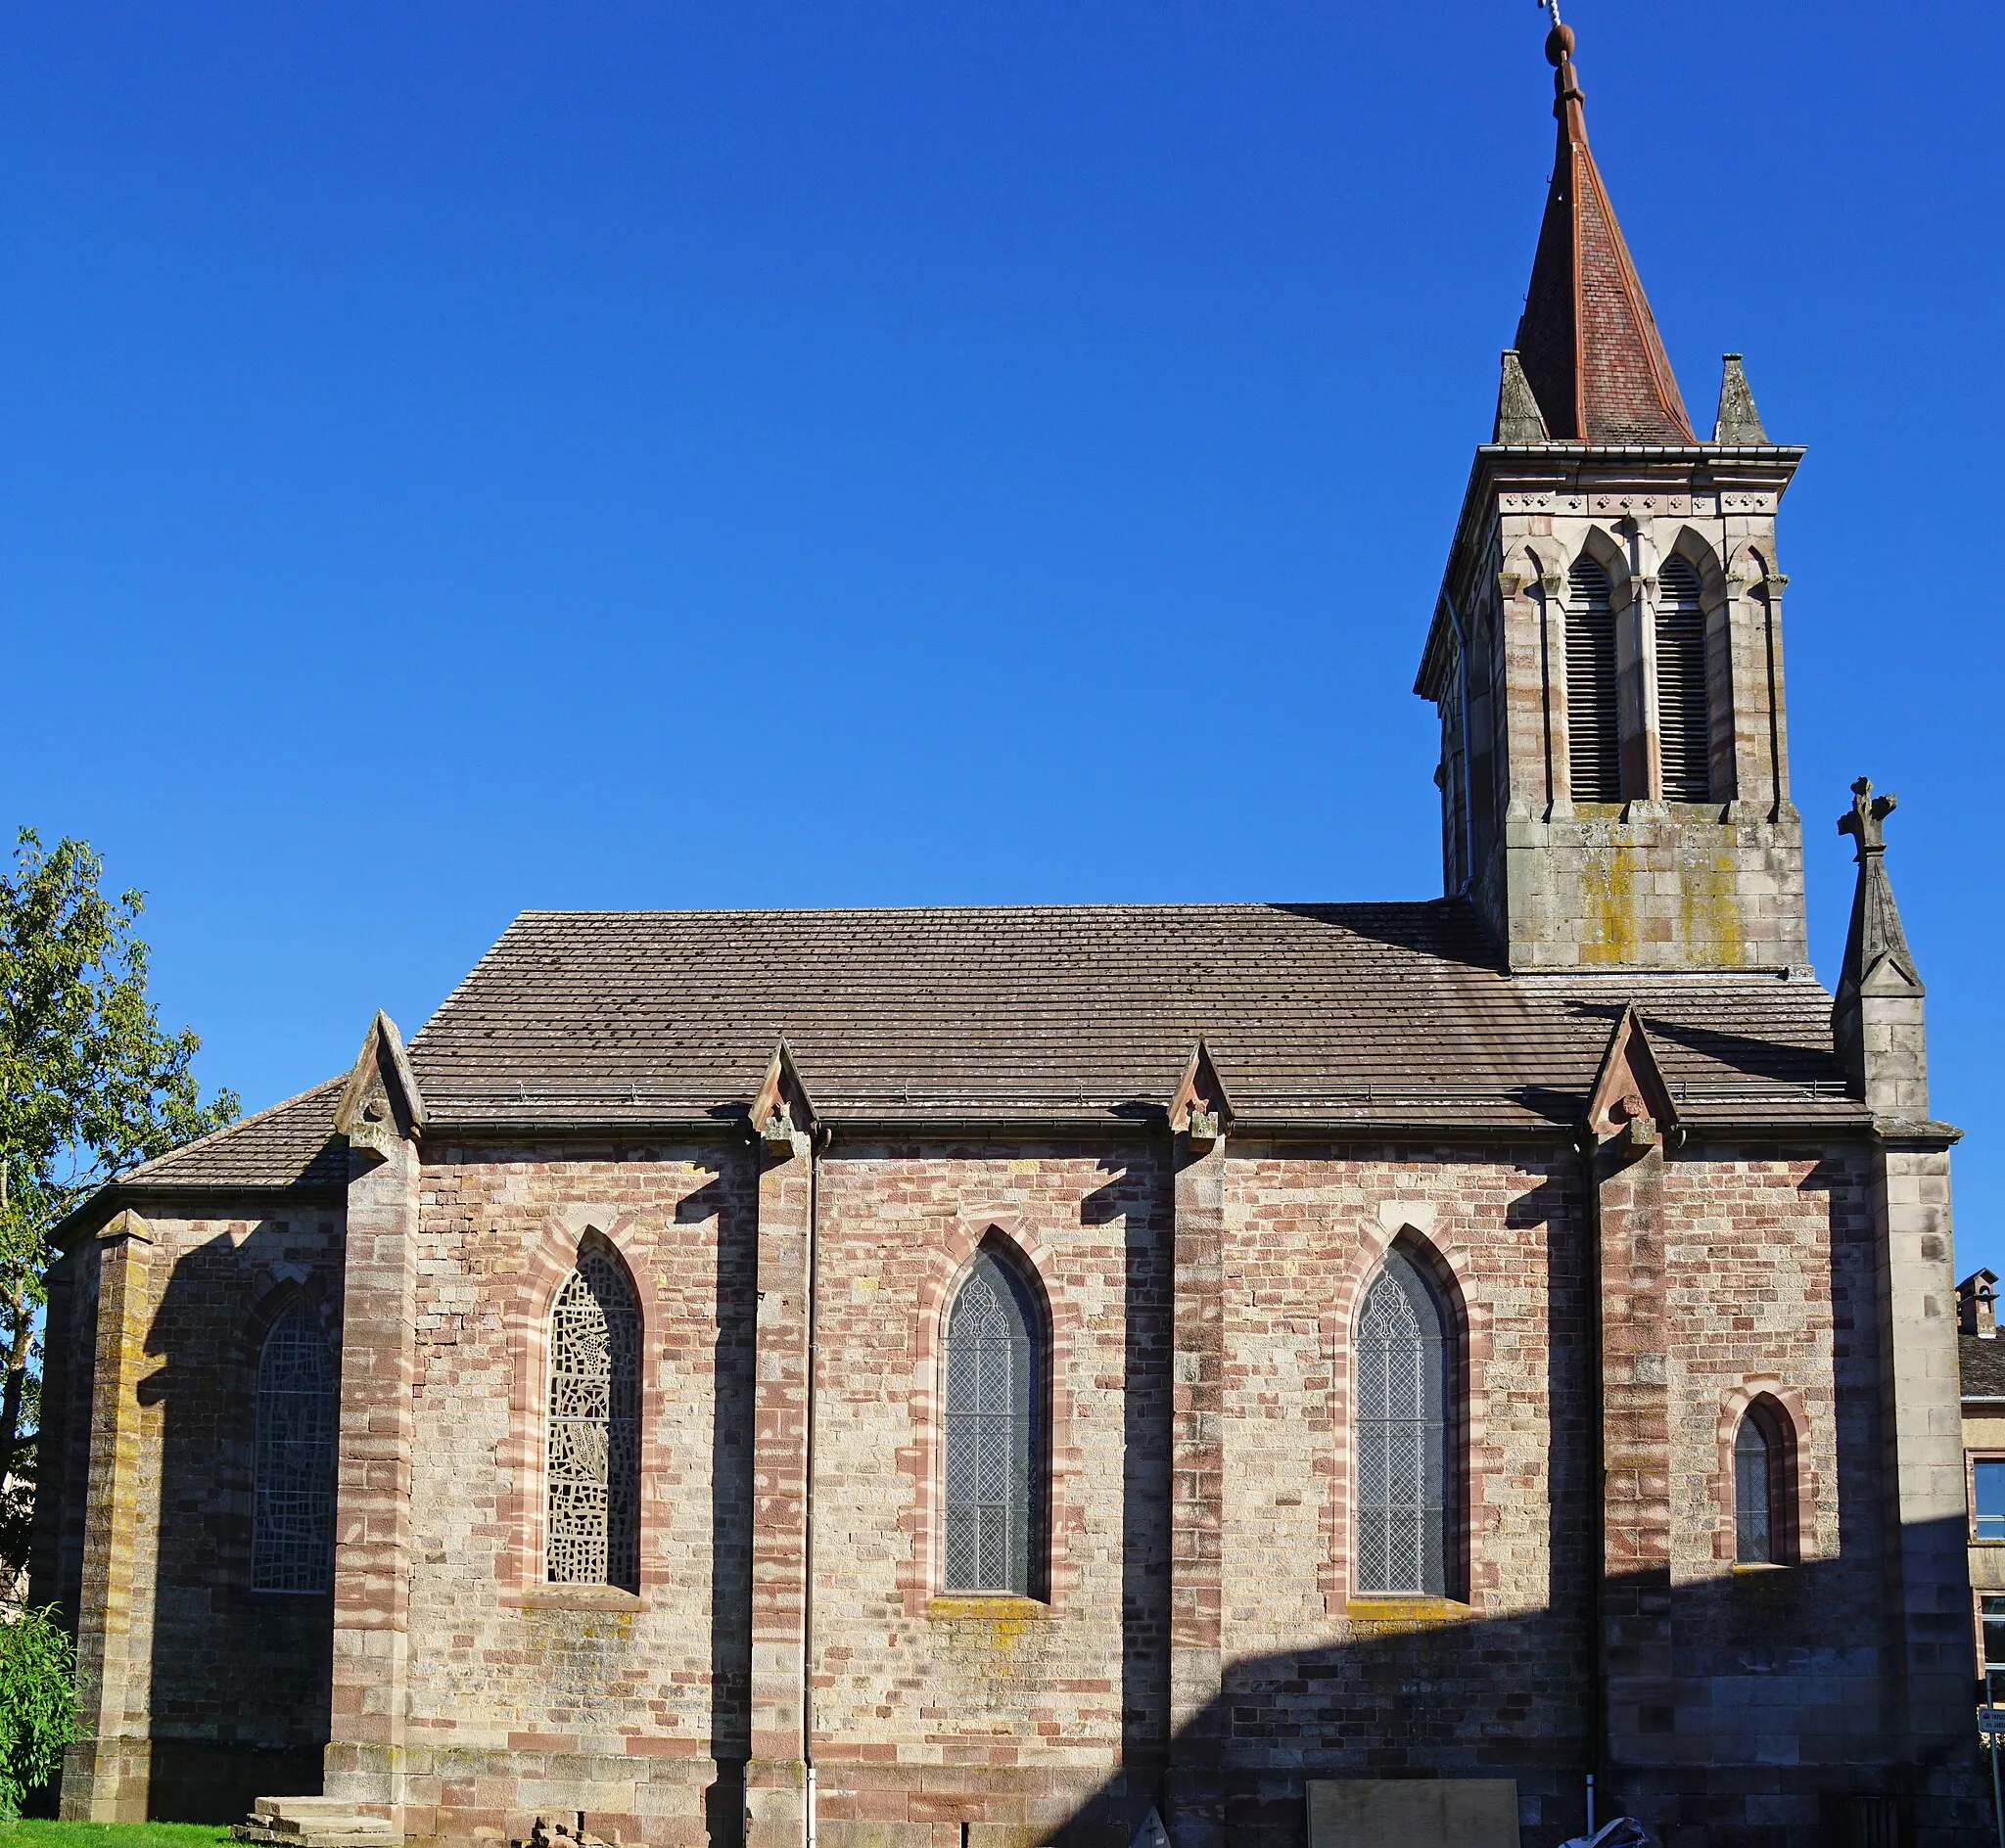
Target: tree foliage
{"type": "Point", "coordinates": [37, 1703]}
{"type": "Point", "coordinates": [91, 1086]}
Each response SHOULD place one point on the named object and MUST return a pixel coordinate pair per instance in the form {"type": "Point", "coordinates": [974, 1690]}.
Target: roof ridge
{"type": "Point", "coordinates": [1446, 904]}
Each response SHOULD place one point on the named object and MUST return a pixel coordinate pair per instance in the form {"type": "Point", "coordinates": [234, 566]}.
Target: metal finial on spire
{"type": "Point", "coordinates": [1552, 7]}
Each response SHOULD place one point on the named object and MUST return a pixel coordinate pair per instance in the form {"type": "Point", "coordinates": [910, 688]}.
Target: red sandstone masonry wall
{"type": "Point", "coordinates": [1770, 1289]}
{"type": "Point", "coordinates": [239, 1678]}
{"type": "Point", "coordinates": [1321, 1681]}
{"type": "Point", "coordinates": [526, 1699]}
{"type": "Point", "coordinates": [932, 1710]}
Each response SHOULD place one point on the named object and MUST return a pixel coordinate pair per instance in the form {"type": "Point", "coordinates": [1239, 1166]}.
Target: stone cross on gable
{"type": "Point", "coordinates": [1866, 819]}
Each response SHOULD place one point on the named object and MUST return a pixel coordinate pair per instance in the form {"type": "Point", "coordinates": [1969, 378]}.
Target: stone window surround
{"type": "Point", "coordinates": [524, 1508]}
{"type": "Point", "coordinates": [946, 1265]}
{"type": "Point", "coordinates": [1801, 1543]}
{"type": "Point", "coordinates": [1443, 1259]}
{"type": "Point", "coordinates": [1971, 1459]}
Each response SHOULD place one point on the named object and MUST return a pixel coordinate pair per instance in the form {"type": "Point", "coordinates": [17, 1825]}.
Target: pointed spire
{"type": "Point", "coordinates": [1588, 339]}
{"type": "Point", "coordinates": [1739, 422]}
{"type": "Point", "coordinates": [1876, 940]}
{"type": "Point", "coordinates": [1519, 419]}
{"type": "Point", "coordinates": [1878, 1027]}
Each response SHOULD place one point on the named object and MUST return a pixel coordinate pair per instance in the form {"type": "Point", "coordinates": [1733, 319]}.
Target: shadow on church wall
{"type": "Point", "coordinates": [1772, 1720]}
{"type": "Point", "coordinates": [241, 1679]}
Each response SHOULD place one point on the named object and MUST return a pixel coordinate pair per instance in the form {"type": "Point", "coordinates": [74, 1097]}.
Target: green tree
{"type": "Point", "coordinates": [91, 1086]}
{"type": "Point", "coordinates": [37, 1703]}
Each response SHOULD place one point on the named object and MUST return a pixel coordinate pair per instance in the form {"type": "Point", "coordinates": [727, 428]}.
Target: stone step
{"type": "Point", "coordinates": [329, 1834]}
{"type": "Point", "coordinates": [314, 1823]}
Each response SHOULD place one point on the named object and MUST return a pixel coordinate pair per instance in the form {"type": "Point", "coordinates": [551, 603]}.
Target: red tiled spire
{"type": "Point", "coordinates": [1588, 341]}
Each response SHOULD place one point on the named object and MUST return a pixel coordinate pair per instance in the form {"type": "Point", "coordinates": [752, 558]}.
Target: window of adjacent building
{"type": "Point", "coordinates": [1404, 1499]}
{"type": "Point", "coordinates": [594, 1470]}
{"type": "Point", "coordinates": [1988, 1498]}
{"type": "Point", "coordinates": [1991, 1624]}
{"type": "Point", "coordinates": [1684, 716]}
{"type": "Point", "coordinates": [995, 1448]}
{"type": "Point", "coordinates": [1594, 726]}
{"type": "Point", "coordinates": [1761, 1487]}
{"type": "Point", "coordinates": [291, 1527]}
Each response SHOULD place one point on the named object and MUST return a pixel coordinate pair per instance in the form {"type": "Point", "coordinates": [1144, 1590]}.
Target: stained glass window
{"type": "Point", "coordinates": [594, 1428]}
{"type": "Point", "coordinates": [1761, 1483]}
{"type": "Point", "coordinates": [1402, 1435]}
{"type": "Point", "coordinates": [994, 1446]}
{"type": "Point", "coordinates": [291, 1526]}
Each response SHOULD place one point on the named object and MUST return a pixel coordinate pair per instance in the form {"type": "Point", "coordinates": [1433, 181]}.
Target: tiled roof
{"type": "Point", "coordinates": [289, 1146]}
{"type": "Point", "coordinates": [1368, 1012]}
{"type": "Point", "coordinates": [1983, 1367]}
{"type": "Point", "coordinates": [1372, 1015]}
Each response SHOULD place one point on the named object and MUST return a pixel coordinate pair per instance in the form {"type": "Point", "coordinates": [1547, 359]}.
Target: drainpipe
{"type": "Point", "coordinates": [817, 1143]}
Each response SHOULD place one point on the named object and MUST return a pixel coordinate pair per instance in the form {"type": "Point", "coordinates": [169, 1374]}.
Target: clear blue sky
{"type": "Point", "coordinates": [457, 458]}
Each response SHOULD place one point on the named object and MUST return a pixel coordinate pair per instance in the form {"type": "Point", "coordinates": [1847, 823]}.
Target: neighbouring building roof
{"type": "Point", "coordinates": [1983, 1363]}
{"type": "Point", "coordinates": [1389, 1015]}
{"type": "Point", "coordinates": [1588, 341]}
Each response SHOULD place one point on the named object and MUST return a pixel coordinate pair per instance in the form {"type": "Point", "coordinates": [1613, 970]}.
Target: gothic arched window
{"type": "Point", "coordinates": [1404, 1497]}
{"type": "Point", "coordinates": [994, 1440]}
{"type": "Point", "coordinates": [292, 1522]}
{"type": "Point", "coordinates": [1684, 714]}
{"type": "Point", "coordinates": [593, 1472]}
{"type": "Point", "coordinates": [1762, 1467]}
{"type": "Point", "coordinates": [1594, 724]}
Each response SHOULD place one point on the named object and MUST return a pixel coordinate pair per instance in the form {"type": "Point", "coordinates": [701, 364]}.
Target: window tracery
{"type": "Point", "coordinates": [1402, 1435]}
{"type": "Point", "coordinates": [292, 1525]}
{"type": "Point", "coordinates": [593, 1535]}
{"type": "Point", "coordinates": [995, 1369]}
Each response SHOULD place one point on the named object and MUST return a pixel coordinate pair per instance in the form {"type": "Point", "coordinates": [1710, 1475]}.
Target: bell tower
{"type": "Point", "coordinates": [1605, 654]}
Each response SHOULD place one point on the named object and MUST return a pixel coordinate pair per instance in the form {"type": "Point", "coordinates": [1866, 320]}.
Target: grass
{"type": "Point", "coordinates": [112, 1835]}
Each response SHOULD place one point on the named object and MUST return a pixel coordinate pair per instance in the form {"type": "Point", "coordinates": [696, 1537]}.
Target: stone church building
{"type": "Point", "coordinates": [967, 1378]}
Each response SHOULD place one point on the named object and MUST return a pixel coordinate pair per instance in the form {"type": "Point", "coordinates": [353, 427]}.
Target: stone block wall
{"type": "Point", "coordinates": [231, 1684]}
{"type": "Point", "coordinates": [526, 1697]}
{"type": "Point", "coordinates": [939, 1718]}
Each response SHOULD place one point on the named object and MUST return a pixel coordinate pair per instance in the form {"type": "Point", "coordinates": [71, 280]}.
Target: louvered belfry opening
{"type": "Point", "coordinates": [1684, 716]}
{"type": "Point", "coordinates": [995, 1366]}
{"type": "Point", "coordinates": [1594, 725]}
{"type": "Point", "coordinates": [594, 1439]}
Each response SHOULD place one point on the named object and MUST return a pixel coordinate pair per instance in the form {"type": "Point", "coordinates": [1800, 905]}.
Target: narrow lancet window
{"type": "Point", "coordinates": [292, 1525]}
{"type": "Point", "coordinates": [1684, 714]}
{"type": "Point", "coordinates": [594, 1428]}
{"type": "Point", "coordinates": [1594, 725]}
{"type": "Point", "coordinates": [994, 1449]}
{"type": "Point", "coordinates": [1404, 1500]}
{"type": "Point", "coordinates": [1761, 1470]}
